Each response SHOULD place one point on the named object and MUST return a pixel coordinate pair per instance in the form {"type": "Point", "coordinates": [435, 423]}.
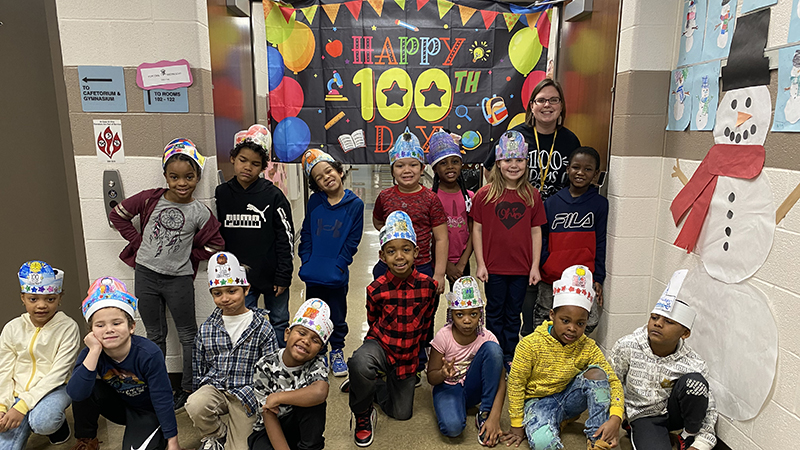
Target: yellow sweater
{"type": "Point", "coordinates": [543, 366]}
{"type": "Point", "coordinates": [34, 361]}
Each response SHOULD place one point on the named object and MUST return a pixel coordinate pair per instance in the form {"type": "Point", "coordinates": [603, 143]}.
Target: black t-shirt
{"type": "Point", "coordinates": [556, 179]}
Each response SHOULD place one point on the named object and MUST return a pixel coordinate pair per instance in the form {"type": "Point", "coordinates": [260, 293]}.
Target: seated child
{"type": "Point", "coordinates": [227, 347]}
{"type": "Point", "coordinates": [120, 375]}
{"type": "Point", "coordinates": [292, 385]}
{"type": "Point", "coordinates": [664, 378]}
{"type": "Point", "coordinates": [37, 351]}
{"type": "Point", "coordinates": [466, 367]}
{"type": "Point", "coordinates": [558, 373]}
{"type": "Point", "coordinates": [400, 305]}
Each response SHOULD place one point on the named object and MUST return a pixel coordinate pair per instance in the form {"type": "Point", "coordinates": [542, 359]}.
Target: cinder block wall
{"type": "Point", "coordinates": [641, 257]}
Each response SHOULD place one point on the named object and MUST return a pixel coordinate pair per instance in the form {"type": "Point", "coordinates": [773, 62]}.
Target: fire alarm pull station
{"type": "Point", "coordinates": [112, 191]}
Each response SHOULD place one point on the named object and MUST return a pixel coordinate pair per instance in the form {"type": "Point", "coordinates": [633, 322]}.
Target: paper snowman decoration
{"type": "Point", "coordinates": [680, 93]}
{"type": "Point", "coordinates": [792, 109]}
{"type": "Point", "coordinates": [724, 18]}
{"type": "Point", "coordinates": [690, 25]}
{"type": "Point", "coordinates": [701, 119]}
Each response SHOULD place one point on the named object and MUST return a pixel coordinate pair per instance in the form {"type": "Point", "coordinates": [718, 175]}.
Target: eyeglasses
{"type": "Point", "coordinates": [551, 100]}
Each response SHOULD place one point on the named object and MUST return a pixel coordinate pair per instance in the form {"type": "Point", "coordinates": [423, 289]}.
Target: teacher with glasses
{"type": "Point", "coordinates": [549, 144]}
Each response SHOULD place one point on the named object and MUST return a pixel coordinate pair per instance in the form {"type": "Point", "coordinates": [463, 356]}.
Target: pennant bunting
{"type": "Point", "coordinates": [443, 6]}
{"type": "Point", "coordinates": [401, 4]}
{"type": "Point", "coordinates": [421, 3]}
{"type": "Point", "coordinates": [355, 7]}
{"type": "Point", "coordinates": [267, 8]}
{"type": "Point", "coordinates": [511, 20]}
{"type": "Point", "coordinates": [466, 12]}
{"type": "Point", "coordinates": [488, 17]}
{"type": "Point", "coordinates": [532, 18]}
{"type": "Point", "coordinates": [543, 28]}
{"type": "Point", "coordinates": [377, 5]}
{"type": "Point", "coordinates": [310, 12]}
{"type": "Point", "coordinates": [287, 12]}
{"type": "Point", "coordinates": [332, 10]}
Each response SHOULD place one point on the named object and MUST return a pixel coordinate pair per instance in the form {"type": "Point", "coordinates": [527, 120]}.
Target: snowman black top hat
{"type": "Point", "coordinates": [747, 65]}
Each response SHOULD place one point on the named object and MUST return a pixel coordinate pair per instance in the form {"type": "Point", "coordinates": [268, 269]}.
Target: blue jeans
{"type": "Point", "coordinates": [277, 306]}
{"type": "Point", "coordinates": [543, 416]}
{"type": "Point", "coordinates": [450, 401]}
{"type": "Point", "coordinates": [336, 298]}
{"type": "Point", "coordinates": [504, 297]}
{"type": "Point", "coordinates": [45, 418]}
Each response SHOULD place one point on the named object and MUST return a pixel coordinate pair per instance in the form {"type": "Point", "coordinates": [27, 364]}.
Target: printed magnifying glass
{"type": "Point", "coordinates": [461, 111]}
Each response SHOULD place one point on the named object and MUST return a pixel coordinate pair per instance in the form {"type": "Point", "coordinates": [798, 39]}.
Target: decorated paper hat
{"type": "Point", "coordinates": [465, 295]}
{"type": "Point", "coordinates": [185, 147]}
{"type": "Point", "coordinates": [224, 270]}
{"type": "Point", "coordinates": [670, 307]}
{"type": "Point", "coordinates": [37, 277]}
{"type": "Point", "coordinates": [512, 145]}
{"type": "Point", "coordinates": [314, 156]}
{"type": "Point", "coordinates": [315, 315]}
{"type": "Point", "coordinates": [108, 292]}
{"type": "Point", "coordinates": [575, 288]}
{"type": "Point", "coordinates": [257, 134]}
{"type": "Point", "coordinates": [406, 146]}
{"type": "Point", "coordinates": [398, 226]}
{"type": "Point", "coordinates": [440, 146]}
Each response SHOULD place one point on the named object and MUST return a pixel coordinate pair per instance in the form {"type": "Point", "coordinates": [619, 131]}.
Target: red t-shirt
{"type": "Point", "coordinates": [506, 230]}
{"type": "Point", "coordinates": [423, 207]}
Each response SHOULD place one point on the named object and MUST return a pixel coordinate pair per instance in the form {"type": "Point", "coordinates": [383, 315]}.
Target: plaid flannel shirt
{"type": "Point", "coordinates": [229, 366]}
{"type": "Point", "coordinates": [399, 313]}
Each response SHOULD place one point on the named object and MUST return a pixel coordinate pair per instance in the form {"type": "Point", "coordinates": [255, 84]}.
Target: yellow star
{"type": "Point", "coordinates": [446, 26]}
{"type": "Point", "coordinates": [315, 75]}
{"type": "Point", "coordinates": [374, 28]}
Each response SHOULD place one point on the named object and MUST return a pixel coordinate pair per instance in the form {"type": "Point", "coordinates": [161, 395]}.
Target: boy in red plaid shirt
{"type": "Point", "coordinates": [400, 307]}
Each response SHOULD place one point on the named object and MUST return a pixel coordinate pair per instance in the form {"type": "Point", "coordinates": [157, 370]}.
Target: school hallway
{"type": "Point", "coordinates": [421, 431]}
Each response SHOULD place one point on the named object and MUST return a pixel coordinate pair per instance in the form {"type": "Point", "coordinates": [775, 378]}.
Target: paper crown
{"type": "Point", "coordinates": [315, 315]}
{"type": "Point", "coordinates": [512, 145]}
{"type": "Point", "coordinates": [670, 307]}
{"type": "Point", "coordinates": [440, 146]}
{"type": "Point", "coordinates": [398, 226]}
{"type": "Point", "coordinates": [37, 277]}
{"type": "Point", "coordinates": [465, 295]}
{"type": "Point", "coordinates": [224, 270]}
{"type": "Point", "coordinates": [257, 134]}
{"type": "Point", "coordinates": [314, 156]}
{"type": "Point", "coordinates": [185, 147]}
{"type": "Point", "coordinates": [108, 292]}
{"type": "Point", "coordinates": [406, 146]}
{"type": "Point", "coordinates": [575, 288]}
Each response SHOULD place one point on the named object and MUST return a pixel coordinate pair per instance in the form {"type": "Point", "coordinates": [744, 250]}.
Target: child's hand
{"type": "Point", "coordinates": [278, 290]}
{"type": "Point", "coordinates": [93, 343]}
{"type": "Point", "coordinates": [448, 368]}
{"type": "Point", "coordinates": [609, 431]}
{"type": "Point", "coordinates": [452, 272]}
{"type": "Point", "coordinates": [482, 273]}
{"type": "Point", "coordinates": [491, 432]}
{"type": "Point", "coordinates": [439, 279]}
{"type": "Point", "coordinates": [272, 403]}
{"type": "Point", "coordinates": [11, 420]}
{"type": "Point", "coordinates": [598, 291]}
{"type": "Point", "coordinates": [514, 437]}
{"type": "Point", "coordinates": [534, 277]}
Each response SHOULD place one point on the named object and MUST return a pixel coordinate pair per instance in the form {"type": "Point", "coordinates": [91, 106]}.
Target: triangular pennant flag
{"type": "Point", "coordinates": [267, 8]}
{"type": "Point", "coordinates": [421, 3]}
{"type": "Point", "coordinates": [355, 7]}
{"type": "Point", "coordinates": [401, 4]}
{"type": "Point", "coordinates": [377, 5]}
{"type": "Point", "coordinates": [443, 6]}
{"type": "Point", "coordinates": [466, 12]}
{"type": "Point", "coordinates": [532, 18]}
{"type": "Point", "coordinates": [287, 12]}
{"type": "Point", "coordinates": [511, 20]}
{"type": "Point", "coordinates": [488, 17]}
{"type": "Point", "coordinates": [543, 28]}
{"type": "Point", "coordinates": [332, 10]}
{"type": "Point", "coordinates": [310, 12]}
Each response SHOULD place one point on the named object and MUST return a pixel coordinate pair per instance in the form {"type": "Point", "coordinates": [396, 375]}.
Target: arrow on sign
{"type": "Point", "coordinates": [107, 80]}
{"type": "Point", "coordinates": [148, 98]}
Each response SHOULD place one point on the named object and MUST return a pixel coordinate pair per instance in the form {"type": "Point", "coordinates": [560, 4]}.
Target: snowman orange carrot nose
{"type": "Point", "coordinates": [742, 118]}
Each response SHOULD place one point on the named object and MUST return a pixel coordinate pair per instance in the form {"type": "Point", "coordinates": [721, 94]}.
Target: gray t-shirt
{"type": "Point", "coordinates": [168, 235]}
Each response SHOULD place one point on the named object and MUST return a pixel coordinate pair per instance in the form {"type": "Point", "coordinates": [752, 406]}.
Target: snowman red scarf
{"type": "Point", "coordinates": [727, 160]}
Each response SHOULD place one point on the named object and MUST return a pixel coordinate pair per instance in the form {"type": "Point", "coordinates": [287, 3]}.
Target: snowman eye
{"type": "Point", "coordinates": [748, 102]}
{"type": "Point", "coordinates": [733, 104]}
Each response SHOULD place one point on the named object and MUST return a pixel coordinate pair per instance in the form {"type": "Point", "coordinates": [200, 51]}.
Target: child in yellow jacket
{"type": "Point", "coordinates": [37, 351]}
{"type": "Point", "coordinates": [558, 373]}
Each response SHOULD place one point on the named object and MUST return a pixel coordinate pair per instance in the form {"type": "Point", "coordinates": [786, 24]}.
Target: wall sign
{"type": "Point", "coordinates": [108, 140]}
{"type": "Point", "coordinates": [102, 89]}
{"type": "Point", "coordinates": [164, 75]}
{"type": "Point", "coordinates": [166, 101]}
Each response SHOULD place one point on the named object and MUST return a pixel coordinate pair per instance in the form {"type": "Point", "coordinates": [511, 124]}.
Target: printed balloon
{"type": "Point", "coordinates": [524, 50]}
{"type": "Point", "coordinates": [275, 67]}
{"type": "Point", "coordinates": [286, 100]}
{"type": "Point", "coordinates": [278, 30]}
{"type": "Point", "coordinates": [291, 138]}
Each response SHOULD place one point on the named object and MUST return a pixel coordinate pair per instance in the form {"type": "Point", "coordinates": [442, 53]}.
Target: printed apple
{"type": "Point", "coordinates": [334, 48]}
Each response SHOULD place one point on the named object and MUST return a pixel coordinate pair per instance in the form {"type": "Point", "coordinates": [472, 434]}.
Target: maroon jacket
{"type": "Point", "coordinates": [206, 242]}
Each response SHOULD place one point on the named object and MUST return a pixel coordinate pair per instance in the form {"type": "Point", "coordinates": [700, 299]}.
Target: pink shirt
{"type": "Point", "coordinates": [445, 344]}
{"type": "Point", "coordinates": [457, 227]}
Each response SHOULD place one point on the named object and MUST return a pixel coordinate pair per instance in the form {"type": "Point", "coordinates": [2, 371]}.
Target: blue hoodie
{"type": "Point", "coordinates": [329, 239]}
{"type": "Point", "coordinates": [575, 234]}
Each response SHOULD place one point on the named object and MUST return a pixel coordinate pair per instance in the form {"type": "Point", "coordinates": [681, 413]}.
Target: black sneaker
{"type": "Point", "coordinates": [365, 427]}
{"type": "Point", "coordinates": [61, 435]}
{"type": "Point", "coordinates": [179, 399]}
{"type": "Point", "coordinates": [682, 443]}
{"type": "Point", "coordinates": [345, 386]}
